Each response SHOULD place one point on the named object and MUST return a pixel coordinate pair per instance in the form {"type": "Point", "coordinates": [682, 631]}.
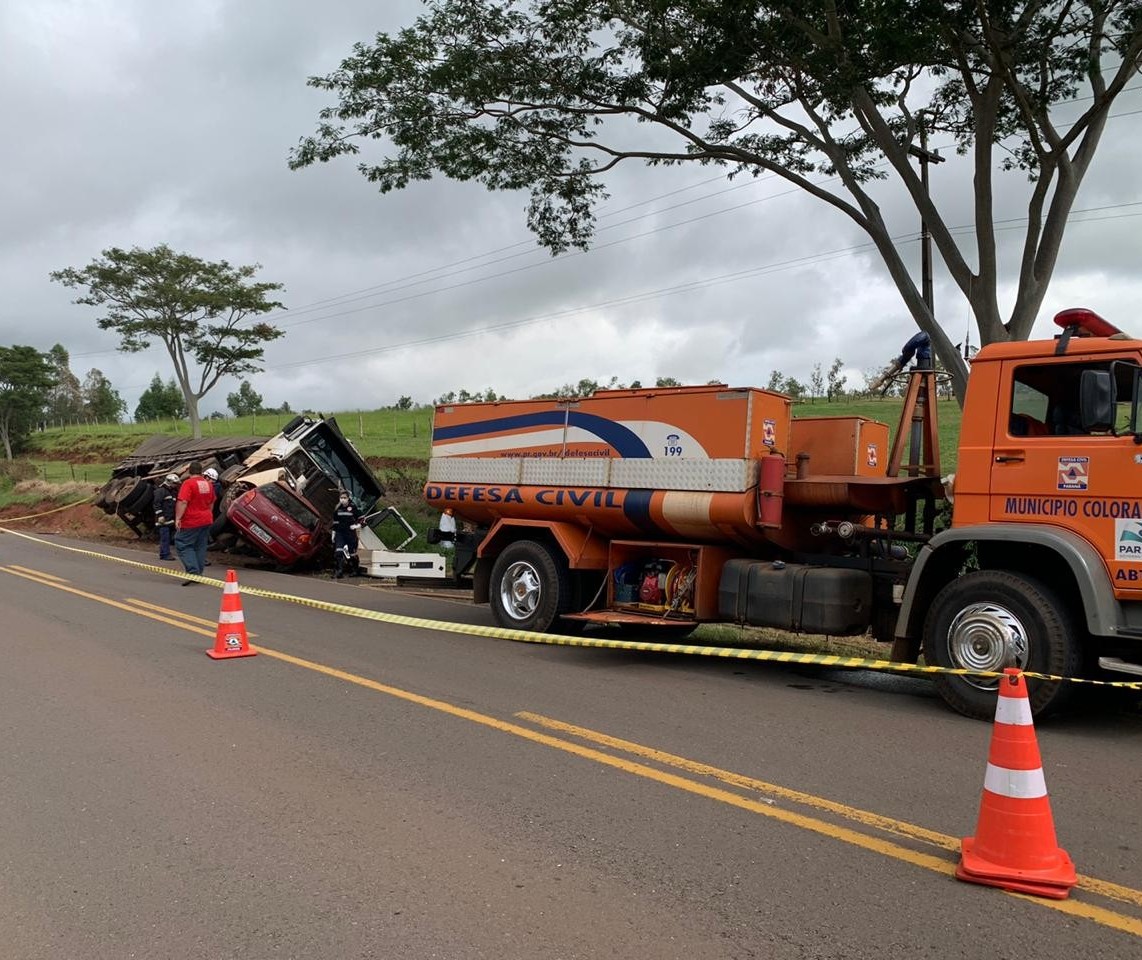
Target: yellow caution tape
{"type": "Point", "coordinates": [642, 646]}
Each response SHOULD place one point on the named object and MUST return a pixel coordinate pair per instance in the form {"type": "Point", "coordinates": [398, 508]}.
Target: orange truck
{"type": "Point", "coordinates": [666, 508]}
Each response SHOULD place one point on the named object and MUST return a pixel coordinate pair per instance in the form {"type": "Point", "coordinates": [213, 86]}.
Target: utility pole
{"type": "Point", "coordinates": [923, 395]}
{"type": "Point", "coordinates": [925, 156]}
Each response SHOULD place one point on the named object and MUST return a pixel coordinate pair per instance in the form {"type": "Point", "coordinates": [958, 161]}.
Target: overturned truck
{"type": "Point", "coordinates": [278, 496]}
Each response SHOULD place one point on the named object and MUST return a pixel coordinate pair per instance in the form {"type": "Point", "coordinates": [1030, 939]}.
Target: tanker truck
{"type": "Point", "coordinates": [667, 508]}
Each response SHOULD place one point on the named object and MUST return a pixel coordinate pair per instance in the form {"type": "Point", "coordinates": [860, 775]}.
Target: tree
{"type": "Point", "coordinates": [830, 95]}
{"type": "Point", "coordinates": [816, 383]}
{"type": "Point", "coordinates": [792, 387]}
{"type": "Point", "coordinates": [776, 380]}
{"type": "Point", "coordinates": [836, 386]}
{"type": "Point", "coordinates": [666, 382]}
{"type": "Point", "coordinates": [404, 403]}
{"type": "Point", "coordinates": [65, 398]}
{"type": "Point", "coordinates": [101, 402]}
{"type": "Point", "coordinates": [245, 402]}
{"type": "Point", "coordinates": [194, 308]}
{"type": "Point", "coordinates": [25, 381]}
{"type": "Point", "coordinates": [160, 401]}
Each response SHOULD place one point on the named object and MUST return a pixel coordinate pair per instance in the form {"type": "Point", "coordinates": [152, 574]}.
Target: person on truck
{"type": "Point", "coordinates": [346, 523]}
{"type": "Point", "coordinates": [164, 513]}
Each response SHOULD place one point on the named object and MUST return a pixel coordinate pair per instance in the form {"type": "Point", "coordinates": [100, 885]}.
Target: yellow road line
{"type": "Point", "coordinates": [40, 573]}
{"type": "Point", "coordinates": [936, 864]}
{"type": "Point", "coordinates": [887, 848]}
{"type": "Point", "coordinates": [213, 624]}
{"type": "Point", "coordinates": [902, 828]}
{"type": "Point", "coordinates": [107, 600]}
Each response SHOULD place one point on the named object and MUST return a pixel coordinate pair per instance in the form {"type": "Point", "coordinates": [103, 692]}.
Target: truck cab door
{"type": "Point", "coordinates": [1048, 467]}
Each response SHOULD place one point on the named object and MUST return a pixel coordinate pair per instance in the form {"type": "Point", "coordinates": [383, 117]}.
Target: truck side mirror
{"type": "Point", "coordinates": [1097, 406]}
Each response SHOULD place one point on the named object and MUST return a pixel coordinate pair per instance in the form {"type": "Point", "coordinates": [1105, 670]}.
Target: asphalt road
{"type": "Point", "coordinates": [362, 789]}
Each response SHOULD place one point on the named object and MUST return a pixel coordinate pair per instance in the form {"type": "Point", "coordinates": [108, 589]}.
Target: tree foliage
{"type": "Point", "coordinates": [161, 401]}
{"type": "Point", "coordinates": [101, 401]}
{"type": "Point", "coordinates": [245, 401]}
{"type": "Point", "coordinates": [816, 386]}
{"type": "Point", "coordinates": [836, 380]}
{"type": "Point", "coordinates": [831, 95]}
{"type": "Point", "coordinates": [193, 307]}
{"type": "Point", "coordinates": [25, 381]}
{"type": "Point", "coordinates": [65, 397]}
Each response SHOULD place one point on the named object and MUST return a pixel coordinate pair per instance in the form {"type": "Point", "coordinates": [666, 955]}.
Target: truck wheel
{"type": "Point", "coordinates": [530, 588]}
{"type": "Point", "coordinates": [137, 498]}
{"type": "Point", "coordinates": [989, 620]}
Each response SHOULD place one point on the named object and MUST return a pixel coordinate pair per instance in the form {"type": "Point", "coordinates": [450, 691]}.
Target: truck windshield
{"type": "Point", "coordinates": [337, 459]}
{"type": "Point", "coordinates": [290, 504]}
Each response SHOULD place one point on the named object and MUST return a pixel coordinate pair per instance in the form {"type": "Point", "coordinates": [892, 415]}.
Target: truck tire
{"type": "Point", "coordinates": [137, 497]}
{"type": "Point", "coordinates": [530, 588]}
{"type": "Point", "coordinates": [991, 619]}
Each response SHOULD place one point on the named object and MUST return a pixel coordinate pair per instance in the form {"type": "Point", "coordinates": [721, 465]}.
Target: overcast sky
{"type": "Point", "coordinates": [134, 123]}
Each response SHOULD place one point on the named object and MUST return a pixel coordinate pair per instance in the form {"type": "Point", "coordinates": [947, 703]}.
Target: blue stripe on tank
{"type": "Point", "coordinates": [624, 441]}
{"type": "Point", "coordinates": [636, 508]}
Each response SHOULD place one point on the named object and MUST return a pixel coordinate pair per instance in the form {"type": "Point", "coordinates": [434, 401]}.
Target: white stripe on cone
{"type": "Point", "coordinates": [1013, 710]}
{"type": "Point", "coordinates": [230, 586]}
{"type": "Point", "coordinates": [231, 616]}
{"type": "Point", "coordinates": [1016, 784]}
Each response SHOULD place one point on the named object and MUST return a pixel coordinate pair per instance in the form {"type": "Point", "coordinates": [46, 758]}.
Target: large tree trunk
{"type": "Point", "coordinates": [192, 416]}
{"type": "Point", "coordinates": [5, 435]}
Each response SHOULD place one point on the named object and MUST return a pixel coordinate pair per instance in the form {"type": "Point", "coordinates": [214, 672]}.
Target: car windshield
{"type": "Point", "coordinates": [342, 464]}
{"type": "Point", "coordinates": [290, 504]}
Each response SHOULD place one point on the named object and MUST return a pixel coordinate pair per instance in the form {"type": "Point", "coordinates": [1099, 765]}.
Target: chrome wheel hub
{"type": "Point", "coordinates": [987, 636]}
{"type": "Point", "coordinates": [520, 590]}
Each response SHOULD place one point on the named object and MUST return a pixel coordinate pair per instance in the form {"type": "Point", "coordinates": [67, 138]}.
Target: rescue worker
{"type": "Point", "coordinates": [447, 527]}
{"type": "Point", "coordinates": [346, 523]}
{"type": "Point", "coordinates": [164, 513]}
{"type": "Point", "coordinates": [220, 521]}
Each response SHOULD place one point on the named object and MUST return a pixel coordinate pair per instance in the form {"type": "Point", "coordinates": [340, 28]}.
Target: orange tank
{"type": "Point", "coordinates": [681, 463]}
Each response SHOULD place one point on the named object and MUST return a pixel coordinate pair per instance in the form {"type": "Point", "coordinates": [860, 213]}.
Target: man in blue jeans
{"type": "Point", "coordinates": [193, 514]}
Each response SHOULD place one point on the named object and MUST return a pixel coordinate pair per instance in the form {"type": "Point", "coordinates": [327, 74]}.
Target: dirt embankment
{"type": "Point", "coordinates": [82, 521]}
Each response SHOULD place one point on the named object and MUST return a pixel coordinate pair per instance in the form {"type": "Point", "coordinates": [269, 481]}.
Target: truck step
{"type": "Point", "coordinates": [1118, 665]}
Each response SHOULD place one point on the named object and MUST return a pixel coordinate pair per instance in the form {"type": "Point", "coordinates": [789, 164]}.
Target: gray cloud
{"type": "Point", "coordinates": [136, 123]}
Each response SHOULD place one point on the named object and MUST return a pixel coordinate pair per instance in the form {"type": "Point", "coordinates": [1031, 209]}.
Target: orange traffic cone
{"type": "Point", "coordinates": [231, 640]}
{"type": "Point", "coordinates": [1014, 846]}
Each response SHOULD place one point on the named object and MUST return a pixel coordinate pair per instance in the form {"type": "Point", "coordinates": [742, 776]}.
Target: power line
{"type": "Point", "coordinates": [415, 278]}
{"type": "Point", "coordinates": [410, 281]}
{"type": "Point", "coordinates": [1003, 225]}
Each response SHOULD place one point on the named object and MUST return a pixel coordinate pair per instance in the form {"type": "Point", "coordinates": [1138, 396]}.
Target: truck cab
{"type": "Point", "coordinates": [1042, 566]}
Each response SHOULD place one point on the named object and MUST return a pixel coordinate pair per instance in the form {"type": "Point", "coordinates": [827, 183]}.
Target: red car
{"type": "Point", "coordinates": [278, 521]}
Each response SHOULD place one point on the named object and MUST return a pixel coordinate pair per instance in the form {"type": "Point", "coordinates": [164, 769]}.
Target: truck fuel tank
{"type": "Point", "coordinates": [796, 597]}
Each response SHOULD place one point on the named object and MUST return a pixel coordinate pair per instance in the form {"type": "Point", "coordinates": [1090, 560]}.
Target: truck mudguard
{"type": "Point", "coordinates": [1102, 610]}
